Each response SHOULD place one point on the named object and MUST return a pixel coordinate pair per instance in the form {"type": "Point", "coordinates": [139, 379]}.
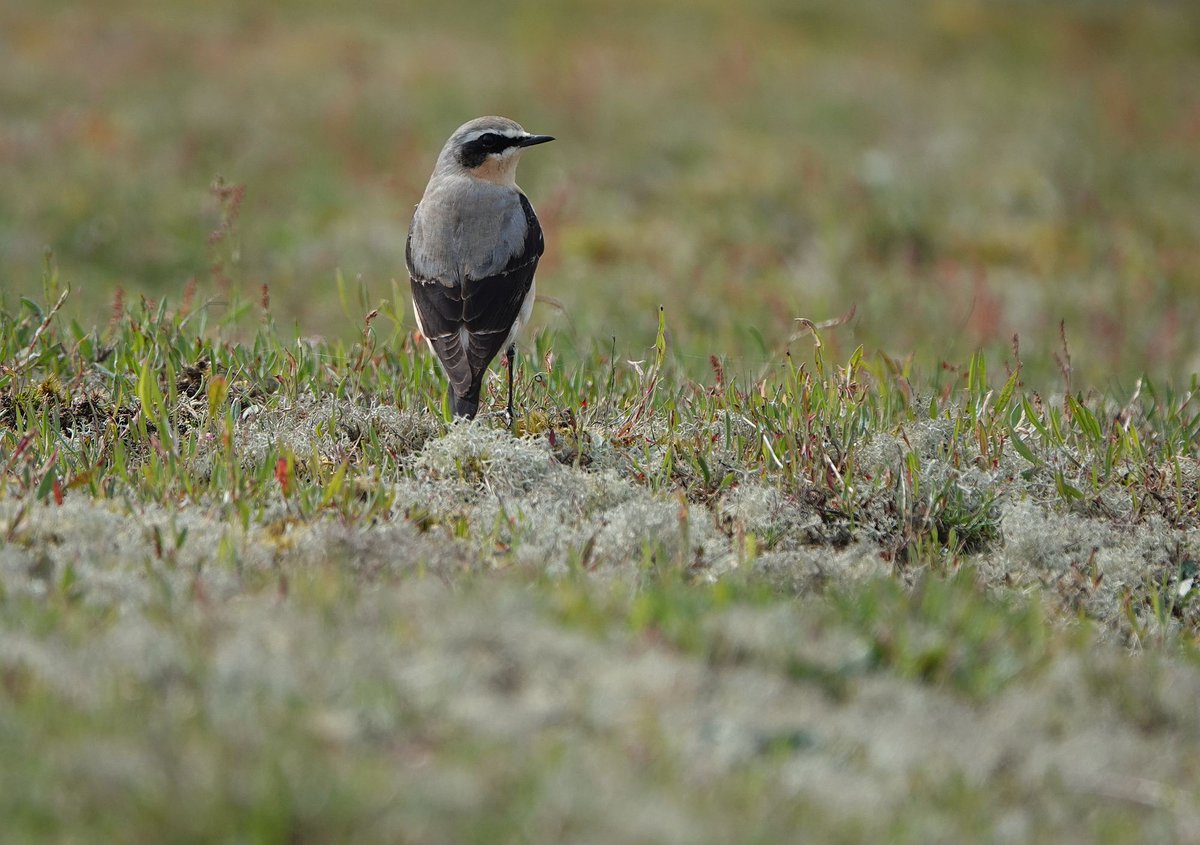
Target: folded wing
{"type": "Point", "coordinates": [468, 322]}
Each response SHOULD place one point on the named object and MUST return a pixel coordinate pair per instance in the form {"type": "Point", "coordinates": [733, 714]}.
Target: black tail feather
{"type": "Point", "coordinates": [464, 406]}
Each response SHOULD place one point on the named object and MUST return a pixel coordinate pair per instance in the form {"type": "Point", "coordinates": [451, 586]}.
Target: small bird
{"type": "Point", "coordinates": [473, 247]}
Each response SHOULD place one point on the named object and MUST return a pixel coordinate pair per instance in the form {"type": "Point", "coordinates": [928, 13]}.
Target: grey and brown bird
{"type": "Point", "coordinates": [473, 248]}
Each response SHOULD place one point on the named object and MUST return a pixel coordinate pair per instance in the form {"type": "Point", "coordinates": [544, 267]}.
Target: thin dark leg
{"type": "Point", "coordinates": [512, 363]}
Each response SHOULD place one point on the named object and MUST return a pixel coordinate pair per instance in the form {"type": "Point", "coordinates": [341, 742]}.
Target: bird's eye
{"type": "Point", "coordinates": [489, 139]}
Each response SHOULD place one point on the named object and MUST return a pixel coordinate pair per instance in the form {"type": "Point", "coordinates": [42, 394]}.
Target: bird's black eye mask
{"type": "Point", "coordinates": [473, 153]}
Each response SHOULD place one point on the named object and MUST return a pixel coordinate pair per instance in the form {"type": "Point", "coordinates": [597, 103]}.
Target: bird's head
{"type": "Point", "coordinates": [488, 148]}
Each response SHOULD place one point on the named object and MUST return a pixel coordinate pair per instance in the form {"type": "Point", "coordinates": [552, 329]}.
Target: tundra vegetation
{"type": "Point", "coordinates": [853, 488]}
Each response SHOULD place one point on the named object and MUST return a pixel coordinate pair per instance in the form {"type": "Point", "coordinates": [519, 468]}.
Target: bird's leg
{"type": "Point", "coordinates": [512, 362]}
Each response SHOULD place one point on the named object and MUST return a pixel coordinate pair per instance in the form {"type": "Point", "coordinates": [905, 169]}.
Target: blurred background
{"type": "Point", "coordinates": [956, 171]}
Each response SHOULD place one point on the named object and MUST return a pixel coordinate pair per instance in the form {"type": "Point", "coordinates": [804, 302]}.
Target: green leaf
{"type": "Point", "coordinates": [855, 359]}
{"type": "Point", "coordinates": [335, 484]}
{"type": "Point", "coordinates": [1023, 449]}
{"type": "Point", "coordinates": [1032, 417]}
{"type": "Point", "coordinates": [148, 392]}
{"type": "Point", "coordinates": [1065, 488]}
{"type": "Point", "coordinates": [1006, 393]}
{"type": "Point", "coordinates": [1086, 419]}
{"type": "Point", "coordinates": [47, 482]}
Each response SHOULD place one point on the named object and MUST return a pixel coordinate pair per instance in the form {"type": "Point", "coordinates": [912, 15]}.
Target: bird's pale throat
{"type": "Point", "coordinates": [502, 170]}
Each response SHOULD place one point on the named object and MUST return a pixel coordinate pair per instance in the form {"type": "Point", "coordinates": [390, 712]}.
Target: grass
{"type": "Point", "coordinates": [165, 481]}
{"type": "Point", "coordinates": [744, 567]}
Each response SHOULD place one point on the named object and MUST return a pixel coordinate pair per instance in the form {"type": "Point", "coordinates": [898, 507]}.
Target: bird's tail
{"type": "Point", "coordinates": [464, 406]}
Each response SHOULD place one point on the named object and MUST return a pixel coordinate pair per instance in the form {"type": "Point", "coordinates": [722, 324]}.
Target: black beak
{"type": "Point", "coordinates": [534, 140]}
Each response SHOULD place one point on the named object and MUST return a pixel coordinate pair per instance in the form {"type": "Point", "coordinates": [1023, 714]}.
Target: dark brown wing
{"type": "Point", "coordinates": [486, 307]}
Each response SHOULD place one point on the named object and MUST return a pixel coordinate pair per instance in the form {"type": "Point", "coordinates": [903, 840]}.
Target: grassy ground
{"type": "Point", "coordinates": [900, 577]}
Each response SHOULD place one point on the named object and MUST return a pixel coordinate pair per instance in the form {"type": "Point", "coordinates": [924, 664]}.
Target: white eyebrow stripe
{"type": "Point", "coordinates": [511, 134]}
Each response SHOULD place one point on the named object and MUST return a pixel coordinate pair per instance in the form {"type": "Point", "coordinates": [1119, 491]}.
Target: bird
{"type": "Point", "coordinates": [472, 251]}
